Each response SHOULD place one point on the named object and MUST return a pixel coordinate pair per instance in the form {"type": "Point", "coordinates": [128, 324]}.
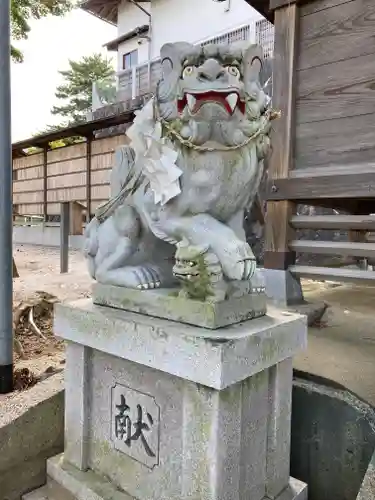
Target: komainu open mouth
{"type": "Point", "coordinates": [195, 100]}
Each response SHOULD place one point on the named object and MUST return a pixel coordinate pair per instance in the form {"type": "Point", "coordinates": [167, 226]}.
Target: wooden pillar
{"type": "Point", "coordinates": [45, 175]}
{"type": "Point", "coordinates": [75, 218]}
{"type": "Point", "coordinates": [64, 236]}
{"type": "Point", "coordinates": [88, 177]}
{"type": "Point", "coordinates": [359, 236]}
{"type": "Point", "coordinates": [278, 231]}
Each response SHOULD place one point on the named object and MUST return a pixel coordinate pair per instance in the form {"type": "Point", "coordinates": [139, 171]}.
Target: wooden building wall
{"type": "Point", "coordinates": [335, 84]}
{"type": "Point", "coordinates": [324, 142]}
{"type": "Point", "coordinates": [73, 173]}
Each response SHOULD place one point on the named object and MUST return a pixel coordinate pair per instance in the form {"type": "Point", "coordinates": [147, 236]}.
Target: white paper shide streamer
{"type": "Point", "coordinates": [153, 157]}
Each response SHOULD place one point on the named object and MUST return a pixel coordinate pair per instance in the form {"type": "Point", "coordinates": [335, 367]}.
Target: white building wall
{"type": "Point", "coordinates": [129, 46]}
{"type": "Point", "coordinates": [180, 20]}
{"type": "Point", "coordinates": [129, 17]}
{"type": "Point", "coordinates": [196, 20]}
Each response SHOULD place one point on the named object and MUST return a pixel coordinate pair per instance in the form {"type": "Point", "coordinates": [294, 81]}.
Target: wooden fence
{"type": "Point", "coordinates": [74, 173]}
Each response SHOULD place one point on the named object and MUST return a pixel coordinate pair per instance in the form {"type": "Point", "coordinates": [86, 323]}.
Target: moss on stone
{"type": "Point", "coordinates": [201, 287]}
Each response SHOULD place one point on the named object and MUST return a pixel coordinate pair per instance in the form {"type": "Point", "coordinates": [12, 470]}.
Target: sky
{"type": "Point", "coordinates": [51, 43]}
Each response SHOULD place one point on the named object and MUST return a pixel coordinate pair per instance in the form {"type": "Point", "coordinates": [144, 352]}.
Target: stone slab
{"type": "Point", "coordinates": [90, 486]}
{"type": "Point", "coordinates": [214, 358]}
{"type": "Point", "coordinates": [296, 490]}
{"type": "Point", "coordinates": [82, 485]}
{"type": "Point", "coordinates": [313, 310]}
{"type": "Point", "coordinates": [31, 430]}
{"type": "Point", "coordinates": [367, 491]}
{"type": "Point", "coordinates": [56, 492]}
{"type": "Point", "coordinates": [39, 494]}
{"type": "Point", "coordinates": [165, 303]}
{"type": "Point", "coordinates": [24, 477]}
{"type": "Point", "coordinates": [282, 288]}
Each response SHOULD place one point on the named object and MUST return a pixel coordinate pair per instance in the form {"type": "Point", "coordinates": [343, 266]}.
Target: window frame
{"type": "Point", "coordinates": [133, 54]}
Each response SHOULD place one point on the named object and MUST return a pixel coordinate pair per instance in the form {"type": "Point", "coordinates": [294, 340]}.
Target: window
{"type": "Point", "coordinates": [130, 59]}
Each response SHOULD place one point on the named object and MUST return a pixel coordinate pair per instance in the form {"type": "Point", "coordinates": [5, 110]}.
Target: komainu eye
{"type": "Point", "coordinates": [188, 71]}
{"type": "Point", "coordinates": [234, 71]}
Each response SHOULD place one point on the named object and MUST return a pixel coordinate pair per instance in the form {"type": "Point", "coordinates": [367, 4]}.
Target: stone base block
{"type": "Point", "coordinates": [214, 358]}
{"type": "Point", "coordinates": [51, 491]}
{"type": "Point", "coordinates": [165, 303]}
{"type": "Point", "coordinates": [66, 482]}
{"type": "Point", "coordinates": [282, 287]}
{"type": "Point", "coordinates": [167, 411]}
{"type": "Point", "coordinates": [39, 494]}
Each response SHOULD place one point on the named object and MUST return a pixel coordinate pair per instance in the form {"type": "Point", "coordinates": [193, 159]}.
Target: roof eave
{"type": "Point", "coordinates": [95, 8]}
{"type": "Point", "coordinates": [136, 32]}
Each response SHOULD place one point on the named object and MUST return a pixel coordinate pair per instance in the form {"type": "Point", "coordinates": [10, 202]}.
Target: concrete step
{"type": "Point", "coordinates": [39, 494]}
{"type": "Point", "coordinates": [51, 491]}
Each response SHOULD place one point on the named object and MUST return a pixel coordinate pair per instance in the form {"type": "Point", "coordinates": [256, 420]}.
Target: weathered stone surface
{"type": "Point", "coordinates": [178, 191]}
{"type": "Point", "coordinates": [313, 310]}
{"type": "Point", "coordinates": [296, 490]}
{"type": "Point", "coordinates": [367, 491]}
{"type": "Point", "coordinates": [31, 430]}
{"type": "Point", "coordinates": [88, 485]}
{"type": "Point", "coordinates": [279, 415]}
{"type": "Point", "coordinates": [165, 303]}
{"type": "Point", "coordinates": [215, 358]}
{"type": "Point", "coordinates": [206, 449]}
{"type": "Point", "coordinates": [282, 287]}
{"type": "Point", "coordinates": [333, 439]}
{"type": "Point", "coordinates": [77, 392]}
{"type": "Point", "coordinates": [39, 494]}
{"type": "Point", "coordinates": [25, 476]}
{"type": "Point", "coordinates": [81, 485]}
{"type": "Point", "coordinates": [131, 408]}
{"type": "Point", "coordinates": [166, 411]}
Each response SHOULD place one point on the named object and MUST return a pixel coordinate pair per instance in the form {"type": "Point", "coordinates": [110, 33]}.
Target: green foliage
{"type": "Point", "coordinates": [199, 288]}
{"type": "Point", "coordinates": [106, 89]}
{"type": "Point", "coordinates": [22, 11]}
{"type": "Point", "coordinates": [60, 143]}
{"type": "Point", "coordinates": [75, 94]}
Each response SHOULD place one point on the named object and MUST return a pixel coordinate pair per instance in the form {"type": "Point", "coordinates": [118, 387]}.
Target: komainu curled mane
{"type": "Point", "coordinates": [178, 193]}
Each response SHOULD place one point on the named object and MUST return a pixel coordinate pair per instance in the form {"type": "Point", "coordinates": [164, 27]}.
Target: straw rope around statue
{"type": "Point", "coordinates": [134, 179]}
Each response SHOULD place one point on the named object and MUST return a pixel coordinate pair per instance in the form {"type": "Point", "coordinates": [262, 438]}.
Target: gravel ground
{"type": "Point", "coordinates": [39, 269]}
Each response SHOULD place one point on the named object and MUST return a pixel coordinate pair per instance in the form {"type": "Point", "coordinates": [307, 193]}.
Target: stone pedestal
{"type": "Point", "coordinates": [160, 410]}
{"type": "Point", "coordinates": [282, 288]}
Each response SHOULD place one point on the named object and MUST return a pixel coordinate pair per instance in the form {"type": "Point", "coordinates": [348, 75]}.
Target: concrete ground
{"type": "Point", "coordinates": [342, 346]}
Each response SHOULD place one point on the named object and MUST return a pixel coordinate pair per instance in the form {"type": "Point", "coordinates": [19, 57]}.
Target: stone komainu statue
{"type": "Point", "coordinates": [179, 191]}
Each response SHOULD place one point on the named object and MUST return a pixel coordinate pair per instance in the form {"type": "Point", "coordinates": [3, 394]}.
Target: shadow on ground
{"type": "Point", "coordinates": [341, 347]}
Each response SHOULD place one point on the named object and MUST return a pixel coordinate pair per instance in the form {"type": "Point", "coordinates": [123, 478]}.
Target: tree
{"type": "Point", "coordinates": [59, 143]}
{"type": "Point", "coordinates": [22, 11]}
{"type": "Point", "coordinates": [75, 93]}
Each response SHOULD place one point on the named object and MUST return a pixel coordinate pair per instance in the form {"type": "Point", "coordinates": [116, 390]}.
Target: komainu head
{"type": "Point", "coordinates": [212, 92]}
